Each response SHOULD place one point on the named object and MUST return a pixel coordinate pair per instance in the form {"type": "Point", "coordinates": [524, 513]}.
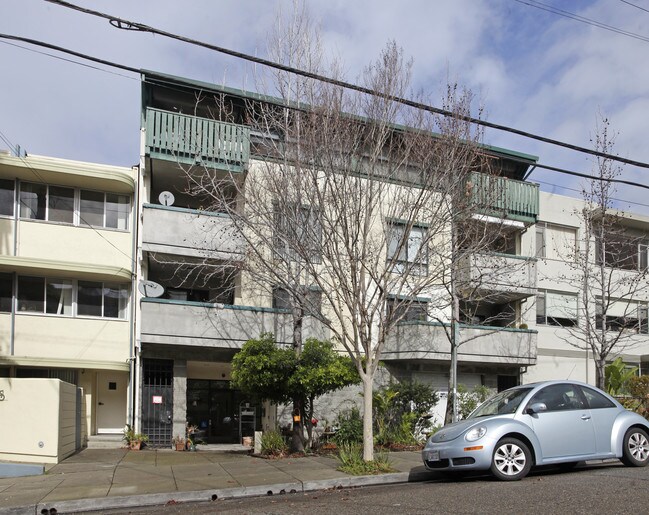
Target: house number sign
{"type": "Point", "coordinates": [2, 395]}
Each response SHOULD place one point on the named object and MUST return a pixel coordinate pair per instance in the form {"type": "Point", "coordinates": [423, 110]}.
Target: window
{"type": "Point", "coordinates": [559, 397]}
{"type": "Point", "coordinates": [31, 294]}
{"type": "Point", "coordinates": [407, 310]}
{"type": "Point", "coordinates": [554, 308]}
{"type": "Point", "coordinates": [407, 249]}
{"type": "Point", "coordinates": [102, 299]}
{"type": "Point", "coordinates": [117, 210]}
{"type": "Point", "coordinates": [6, 197]}
{"type": "Point", "coordinates": [595, 399]}
{"type": "Point", "coordinates": [33, 201]}
{"type": "Point", "coordinates": [622, 315]}
{"type": "Point", "coordinates": [622, 251]}
{"type": "Point", "coordinates": [58, 296]}
{"type": "Point", "coordinates": [60, 204]}
{"type": "Point", "coordinates": [555, 241]}
{"type": "Point", "coordinates": [312, 302]}
{"type": "Point", "coordinates": [6, 289]}
{"type": "Point", "coordinates": [298, 232]}
{"type": "Point", "coordinates": [91, 208]}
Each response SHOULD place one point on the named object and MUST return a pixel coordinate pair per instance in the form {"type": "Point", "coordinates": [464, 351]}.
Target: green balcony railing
{"type": "Point", "coordinates": [506, 198]}
{"type": "Point", "coordinates": [190, 140]}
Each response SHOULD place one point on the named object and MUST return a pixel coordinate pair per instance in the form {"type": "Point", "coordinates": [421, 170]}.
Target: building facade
{"type": "Point", "coordinates": [66, 280]}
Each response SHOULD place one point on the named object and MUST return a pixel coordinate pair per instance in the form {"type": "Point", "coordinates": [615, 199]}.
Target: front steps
{"type": "Point", "coordinates": [106, 441]}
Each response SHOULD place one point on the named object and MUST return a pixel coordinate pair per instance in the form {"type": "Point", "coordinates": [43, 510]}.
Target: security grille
{"type": "Point", "coordinates": [157, 401]}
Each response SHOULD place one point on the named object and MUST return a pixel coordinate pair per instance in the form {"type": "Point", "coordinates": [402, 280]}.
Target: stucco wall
{"type": "Point", "coordinates": [38, 420]}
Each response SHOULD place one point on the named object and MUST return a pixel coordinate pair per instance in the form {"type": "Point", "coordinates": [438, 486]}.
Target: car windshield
{"type": "Point", "coordinates": [502, 403]}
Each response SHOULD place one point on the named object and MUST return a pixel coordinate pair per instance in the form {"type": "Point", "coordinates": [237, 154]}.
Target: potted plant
{"type": "Point", "coordinates": [191, 431]}
{"type": "Point", "coordinates": [179, 443]}
{"type": "Point", "coordinates": [134, 440]}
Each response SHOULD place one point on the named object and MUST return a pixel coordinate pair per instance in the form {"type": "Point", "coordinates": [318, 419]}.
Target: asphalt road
{"type": "Point", "coordinates": [601, 488]}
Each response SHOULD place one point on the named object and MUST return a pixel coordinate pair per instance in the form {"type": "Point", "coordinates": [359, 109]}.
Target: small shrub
{"type": "Point", "coordinates": [273, 443]}
{"type": "Point", "coordinates": [468, 400]}
{"type": "Point", "coordinates": [350, 427]}
{"type": "Point", "coordinates": [351, 459]}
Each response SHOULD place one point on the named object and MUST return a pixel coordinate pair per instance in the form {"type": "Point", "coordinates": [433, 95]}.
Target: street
{"type": "Point", "coordinates": [600, 488]}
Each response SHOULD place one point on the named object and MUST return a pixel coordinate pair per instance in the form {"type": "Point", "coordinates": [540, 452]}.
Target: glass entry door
{"type": "Point", "coordinates": [214, 408]}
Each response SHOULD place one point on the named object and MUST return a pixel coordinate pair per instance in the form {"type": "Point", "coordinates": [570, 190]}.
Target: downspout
{"type": "Point", "coordinates": [14, 278]}
{"type": "Point", "coordinates": [132, 356]}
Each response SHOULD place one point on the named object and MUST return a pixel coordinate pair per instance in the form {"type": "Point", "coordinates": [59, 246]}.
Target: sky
{"type": "Point", "coordinates": [531, 69]}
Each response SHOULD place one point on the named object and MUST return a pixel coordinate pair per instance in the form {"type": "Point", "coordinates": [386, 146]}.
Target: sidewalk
{"type": "Point", "coordinates": [101, 479]}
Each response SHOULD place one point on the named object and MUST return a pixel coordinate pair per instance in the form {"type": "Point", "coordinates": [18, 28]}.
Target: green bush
{"type": "Point", "coordinates": [468, 400]}
{"type": "Point", "coordinates": [350, 427]}
{"type": "Point", "coordinates": [273, 443]}
{"type": "Point", "coordinates": [351, 461]}
{"type": "Point", "coordinates": [397, 409]}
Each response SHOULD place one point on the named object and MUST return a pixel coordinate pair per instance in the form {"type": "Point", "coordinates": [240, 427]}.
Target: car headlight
{"type": "Point", "coordinates": [475, 434]}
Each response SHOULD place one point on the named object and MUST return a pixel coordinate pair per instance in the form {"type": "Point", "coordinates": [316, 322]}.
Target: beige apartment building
{"type": "Point", "coordinates": [66, 282]}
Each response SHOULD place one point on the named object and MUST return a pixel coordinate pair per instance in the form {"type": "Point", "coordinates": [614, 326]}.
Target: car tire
{"type": "Point", "coordinates": [511, 460]}
{"type": "Point", "coordinates": [635, 448]}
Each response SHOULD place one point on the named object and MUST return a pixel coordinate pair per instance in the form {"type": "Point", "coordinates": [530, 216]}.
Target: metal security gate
{"type": "Point", "coordinates": [157, 401]}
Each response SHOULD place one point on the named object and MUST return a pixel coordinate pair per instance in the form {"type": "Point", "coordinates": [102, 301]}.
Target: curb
{"type": "Point", "coordinates": [133, 501]}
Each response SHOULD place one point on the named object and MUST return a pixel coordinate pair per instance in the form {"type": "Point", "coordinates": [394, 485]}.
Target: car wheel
{"type": "Point", "coordinates": [635, 448]}
{"type": "Point", "coordinates": [511, 460]}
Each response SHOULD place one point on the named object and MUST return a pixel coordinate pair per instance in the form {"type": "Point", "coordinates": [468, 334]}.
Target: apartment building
{"type": "Point", "coordinates": [558, 241]}
{"type": "Point", "coordinates": [195, 312]}
{"type": "Point", "coordinates": [66, 280]}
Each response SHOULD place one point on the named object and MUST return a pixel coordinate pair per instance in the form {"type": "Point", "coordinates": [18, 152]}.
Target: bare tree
{"type": "Point", "coordinates": [355, 209]}
{"type": "Point", "coordinates": [610, 265]}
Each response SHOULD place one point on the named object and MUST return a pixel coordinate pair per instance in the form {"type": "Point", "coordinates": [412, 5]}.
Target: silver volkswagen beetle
{"type": "Point", "coordinates": [553, 422]}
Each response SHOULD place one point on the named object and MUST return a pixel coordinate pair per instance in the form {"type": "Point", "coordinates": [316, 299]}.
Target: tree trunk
{"type": "Point", "coordinates": [368, 435]}
{"type": "Point", "coordinates": [600, 374]}
{"type": "Point", "coordinates": [297, 443]}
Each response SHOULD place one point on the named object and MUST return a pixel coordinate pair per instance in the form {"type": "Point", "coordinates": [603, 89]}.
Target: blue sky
{"type": "Point", "coordinates": [533, 70]}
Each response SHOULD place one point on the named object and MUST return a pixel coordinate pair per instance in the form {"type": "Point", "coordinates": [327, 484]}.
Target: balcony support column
{"type": "Point", "coordinates": [180, 397]}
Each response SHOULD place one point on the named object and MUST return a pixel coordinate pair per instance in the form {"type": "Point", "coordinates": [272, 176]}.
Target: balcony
{"type": "Point", "coordinates": [499, 277]}
{"type": "Point", "coordinates": [481, 344]}
{"type": "Point", "coordinates": [202, 324]}
{"type": "Point", "coordinates": [506, 198]}
{"type": "Point", "coordinates": [189, 232]}
{"type": "Point", "coordinates": [192, 140]}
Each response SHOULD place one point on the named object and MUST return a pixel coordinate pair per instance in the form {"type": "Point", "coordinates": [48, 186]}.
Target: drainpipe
{"type": "Point", "coordinates": [14, 279]}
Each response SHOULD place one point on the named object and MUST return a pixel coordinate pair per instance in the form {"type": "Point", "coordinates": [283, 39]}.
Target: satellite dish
{"type": "Point", "coordinates": [150, 289]}
{"type": "Point", "coordinates": [166, 198]}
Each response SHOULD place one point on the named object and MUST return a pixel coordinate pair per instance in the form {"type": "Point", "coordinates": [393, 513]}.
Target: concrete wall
{"type": "Point", "coordinates": [39, 420]}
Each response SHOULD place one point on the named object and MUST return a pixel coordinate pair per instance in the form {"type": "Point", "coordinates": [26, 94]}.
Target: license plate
{"type": "Point", "coordinates": [432, 456]}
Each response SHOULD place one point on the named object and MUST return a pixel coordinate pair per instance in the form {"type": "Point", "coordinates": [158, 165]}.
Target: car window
{"type": "Point", "coordinates": [596, 400]}
{"type": "Point", "coordinates": [559, 397]}
{"type": "Point", "coordinates": [505, 402]}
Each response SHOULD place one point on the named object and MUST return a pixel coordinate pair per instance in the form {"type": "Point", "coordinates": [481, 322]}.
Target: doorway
{"type": "Point", "coordinates": [111, 401]}
{"type": "Point", "coordinates": [213, 407]}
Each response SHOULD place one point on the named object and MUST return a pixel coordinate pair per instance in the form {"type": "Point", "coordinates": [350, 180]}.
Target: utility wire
{"type": "Point", "coordinates": [576, 17]}
{"type": "Point", "coordinates": [171, 87]}
{"type": "Point", "coordinates": [634, 5]}
{"type": "Point", "coordinates": [124, 24]}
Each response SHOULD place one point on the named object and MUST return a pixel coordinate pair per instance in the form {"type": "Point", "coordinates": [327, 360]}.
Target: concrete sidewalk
{"type": "Point", "coordinates": [102, 479]}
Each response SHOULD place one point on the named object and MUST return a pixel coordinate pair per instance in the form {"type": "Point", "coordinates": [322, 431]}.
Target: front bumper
{"type": "Point", "coordinates": [458, 454]}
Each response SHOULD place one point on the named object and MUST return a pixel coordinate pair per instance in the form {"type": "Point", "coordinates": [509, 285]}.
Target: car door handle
{"type": "Point", "coordinates": [585, 417]}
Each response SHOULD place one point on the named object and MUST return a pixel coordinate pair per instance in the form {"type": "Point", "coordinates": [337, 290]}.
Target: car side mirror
{"type": "Point", "coordinates": [537, 407]}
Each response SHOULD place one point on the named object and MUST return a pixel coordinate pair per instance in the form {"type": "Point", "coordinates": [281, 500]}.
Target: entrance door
{"type": "Point", "coordinates": [214, 408]}
{"type": "Point", "coordinates": [157, 400]}
{"type": "Point", "coordinates": [111, 401]}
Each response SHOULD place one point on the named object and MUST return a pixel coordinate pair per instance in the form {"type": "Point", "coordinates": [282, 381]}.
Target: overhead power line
{"type": "Point", "coordinates": [582, 19]}
{"type": "Point", "coordinates": [124, 24]}
{"type": "Point", "coordinates": [635, 5]}
{"type": "Point", "coordinates": [168, 86]}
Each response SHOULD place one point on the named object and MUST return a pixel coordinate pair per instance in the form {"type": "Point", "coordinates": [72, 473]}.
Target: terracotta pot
{"type": "Point", "coordinates": [136, 445]}
{"type": "Point", "coordinates": [247, 441]}
{"type": "Point", "coordinates": [180, 446]}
